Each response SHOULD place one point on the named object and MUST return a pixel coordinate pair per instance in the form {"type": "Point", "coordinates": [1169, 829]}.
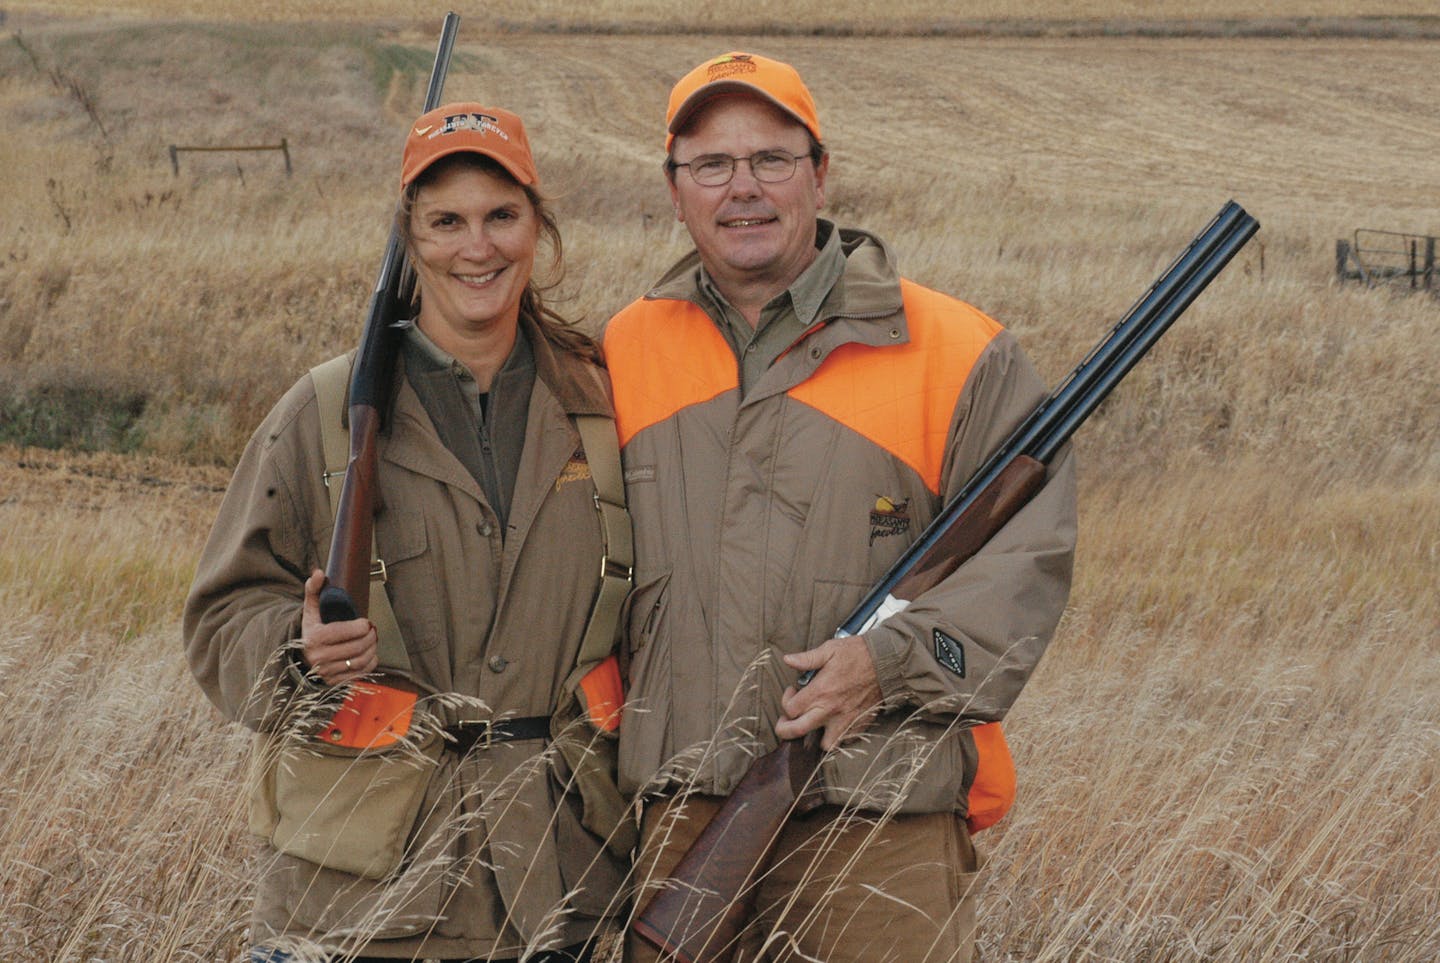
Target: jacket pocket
{"type": "Point", "coordinates": [411, 578]}
{"type": "Point", "coordinates": [299, 897]}
{"type": "Point", "coordinates": [829, 606]}
{"type": "Point", "coordinates": [643, 612]}
{"type": "Point", "coordinates": [349, 810]}
{"type": "Point", "coordinates": [594, 827]}
{"type": "Point", "coordinates": [645, 725]}
{"type": "Point", "coordinates": [587, 755]}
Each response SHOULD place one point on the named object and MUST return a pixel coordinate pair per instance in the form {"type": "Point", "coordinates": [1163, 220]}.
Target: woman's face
{"type": "Point", "coordinates": [473, 236]}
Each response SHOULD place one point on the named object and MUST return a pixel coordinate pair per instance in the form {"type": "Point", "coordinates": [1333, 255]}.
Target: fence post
{"type": "Point", "coordinates": [1429, 262]}
{"type": "Point", "coordinates": [285, 149]}
{"type": "Point", "coordinates": [1342, 257]}
{"type": "Point", "coordinates": [174, 160]}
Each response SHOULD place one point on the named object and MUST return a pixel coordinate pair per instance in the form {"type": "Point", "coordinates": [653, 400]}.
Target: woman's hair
{"type": "Point", "coordinates": [559, 331]}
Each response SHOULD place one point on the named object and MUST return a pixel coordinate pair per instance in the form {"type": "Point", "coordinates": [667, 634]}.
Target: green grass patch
{"type": "Point", "coordinates": [79, 416]}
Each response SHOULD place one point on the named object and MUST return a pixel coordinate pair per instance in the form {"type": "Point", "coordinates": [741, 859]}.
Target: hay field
{"type": "Point", "coordinates": [1230, 751]}
{"type": "Point", "coordinates": [1401, 17]}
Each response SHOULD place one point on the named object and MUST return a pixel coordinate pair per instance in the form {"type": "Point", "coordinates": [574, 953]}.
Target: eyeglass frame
{"type": "Point", "coordinates": [816, 153]}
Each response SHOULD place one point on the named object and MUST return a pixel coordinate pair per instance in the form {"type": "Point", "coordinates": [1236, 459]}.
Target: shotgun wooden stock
{"type": "Point", "coordinates": [700, 922]}
{"type": "Point", "coordinates": [698, 913]}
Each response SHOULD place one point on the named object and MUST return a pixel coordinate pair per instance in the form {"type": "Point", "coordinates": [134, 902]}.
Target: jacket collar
{"type": "Point", "coordinates": [868, 288]}
{"type": "Point", "coordinates": [863, 307]}
{"type": "Point", "coordinates": [577, 386]}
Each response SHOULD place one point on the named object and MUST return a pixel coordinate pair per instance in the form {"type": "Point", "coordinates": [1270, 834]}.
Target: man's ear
{"type": "Point", "coordinates": [822, 169]}
{"type": "Point", "coordinates": [675, 197]}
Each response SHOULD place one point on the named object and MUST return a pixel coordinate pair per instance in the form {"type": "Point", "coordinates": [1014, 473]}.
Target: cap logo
{"type": "Point", "coordinates": [730, 67]}
{"type": "Point", "coordinates": [480, 123]}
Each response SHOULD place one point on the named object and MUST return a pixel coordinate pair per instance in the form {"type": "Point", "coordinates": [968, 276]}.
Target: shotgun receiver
{"type": "Point", "coordinates": [697, 915]}
{"type": "Point", "coordinates": [347, 575]}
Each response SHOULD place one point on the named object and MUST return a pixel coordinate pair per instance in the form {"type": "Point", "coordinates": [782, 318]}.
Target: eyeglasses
{"type": "Point", "coordinates": [768, 167]}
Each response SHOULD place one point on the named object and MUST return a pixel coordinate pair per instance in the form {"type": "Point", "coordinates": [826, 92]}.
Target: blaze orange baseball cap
{"type": "Point", "coordinates": [745, 73]}
{"type": "Point", "coordinates": [468, 127]}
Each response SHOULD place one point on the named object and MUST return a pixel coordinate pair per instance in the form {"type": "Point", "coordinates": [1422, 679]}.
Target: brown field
{"type": "Point", "coordinates": [805, 16]}
{"type": "Point", "coordinates": [1230, 751]}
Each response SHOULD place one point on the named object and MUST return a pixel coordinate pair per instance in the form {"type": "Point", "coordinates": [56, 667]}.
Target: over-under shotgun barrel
{"type": "Point", "coordinates": [1042, 434]}
{"type": "Point", "coordinates": [700, 910]}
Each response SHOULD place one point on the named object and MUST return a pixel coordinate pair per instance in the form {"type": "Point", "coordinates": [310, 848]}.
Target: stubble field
{"type": "Point", "coordinates": [1229, 752]}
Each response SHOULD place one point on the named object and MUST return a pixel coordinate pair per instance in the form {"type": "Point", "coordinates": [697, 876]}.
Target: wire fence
{"type": "Point", "coordinates": [1391, 258]}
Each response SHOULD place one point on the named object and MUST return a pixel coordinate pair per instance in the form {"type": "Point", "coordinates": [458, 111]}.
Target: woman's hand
{"type": "Point", "coordinates": [339, 651]}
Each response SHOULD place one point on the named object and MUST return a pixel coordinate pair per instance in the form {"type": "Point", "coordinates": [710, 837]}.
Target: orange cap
{"type": "Point", "coordinates": [468, 127]}
{"type": "Point", "coordinates": [737, 72]}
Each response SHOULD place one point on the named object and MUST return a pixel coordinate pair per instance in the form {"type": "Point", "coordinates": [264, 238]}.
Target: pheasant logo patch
{"type": "Point", "coordinates": [888, 518]}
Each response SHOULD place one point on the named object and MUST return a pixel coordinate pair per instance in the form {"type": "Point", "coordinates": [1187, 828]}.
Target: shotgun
{"type": "Point", "coordinates": [697, 914]}
{"type": "Point", "coordinates": [346, 594]}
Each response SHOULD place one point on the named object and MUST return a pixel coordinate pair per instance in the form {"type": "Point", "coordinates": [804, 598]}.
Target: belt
{"type": "Point", "coordinates": [464, 736]}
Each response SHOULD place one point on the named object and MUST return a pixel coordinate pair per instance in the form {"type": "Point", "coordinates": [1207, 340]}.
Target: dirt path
{"type": "Point", "coordinates": [36, 478]}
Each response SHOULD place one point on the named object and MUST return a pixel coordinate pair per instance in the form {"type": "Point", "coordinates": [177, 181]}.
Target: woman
{"type": "Point", "coordinates": [490, 538]}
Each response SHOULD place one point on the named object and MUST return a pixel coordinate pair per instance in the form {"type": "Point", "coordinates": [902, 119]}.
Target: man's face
{"type": "Point", "coordinates": [749, 233]}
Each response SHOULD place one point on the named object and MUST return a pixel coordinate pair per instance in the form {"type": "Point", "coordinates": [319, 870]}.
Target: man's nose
{"type": "Point", "coordinates": [743, 182]}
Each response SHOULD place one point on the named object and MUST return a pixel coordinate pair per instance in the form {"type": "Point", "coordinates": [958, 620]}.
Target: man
{"type": "Point", "coordinates": [792, 414]}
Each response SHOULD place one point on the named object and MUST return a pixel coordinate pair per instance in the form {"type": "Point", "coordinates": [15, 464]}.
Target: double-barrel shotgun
{"type": "Point", "coordinates": [346, 594]}
{"type": "Point", "coordinates": [699, 911]}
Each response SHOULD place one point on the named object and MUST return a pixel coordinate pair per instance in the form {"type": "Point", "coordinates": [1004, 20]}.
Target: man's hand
{"type": "Point", "coordinates": [340, 651]}
{"type": "Point", "coordinates": [842, 698]}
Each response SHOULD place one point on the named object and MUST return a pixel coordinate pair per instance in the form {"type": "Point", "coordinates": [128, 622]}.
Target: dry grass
{"type": "Point", "coordinates": [1230, 751]}
{"type": "Point", "coordinates": [121, 837]}
{"type": "Point", "coordinates": [805, 17]}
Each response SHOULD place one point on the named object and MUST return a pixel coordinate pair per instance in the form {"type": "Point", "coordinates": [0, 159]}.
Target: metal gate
{"type": "Point", "coordinates": [1388, 257]}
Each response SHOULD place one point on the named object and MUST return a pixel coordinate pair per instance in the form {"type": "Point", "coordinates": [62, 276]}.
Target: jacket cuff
{"type": "Point", "coordinates": [889, 651]}
{"type": "Point", "coordinates": [296, 671]}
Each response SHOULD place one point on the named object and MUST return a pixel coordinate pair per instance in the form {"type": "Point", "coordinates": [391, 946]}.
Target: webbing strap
{"type": "Point", "coordinates": [602, 451]}
{"type": "Point", "coordinates": [332, 380]}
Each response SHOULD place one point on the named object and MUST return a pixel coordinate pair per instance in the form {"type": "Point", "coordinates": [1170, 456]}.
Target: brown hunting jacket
{"type": "Point", "coordinates": [497, 621]}
{"type": "Point", "coordinates": [763, 516]}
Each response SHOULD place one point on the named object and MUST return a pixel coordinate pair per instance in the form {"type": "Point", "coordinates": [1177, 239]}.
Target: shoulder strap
{"type": "Point", "coordinates": [332, 380]}
{"type": "Point", "coordinates": [602, 451]}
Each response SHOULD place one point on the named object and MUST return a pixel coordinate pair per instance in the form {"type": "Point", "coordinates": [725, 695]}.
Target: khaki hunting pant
{"type": "Point", "coordinates": [843, 888]}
